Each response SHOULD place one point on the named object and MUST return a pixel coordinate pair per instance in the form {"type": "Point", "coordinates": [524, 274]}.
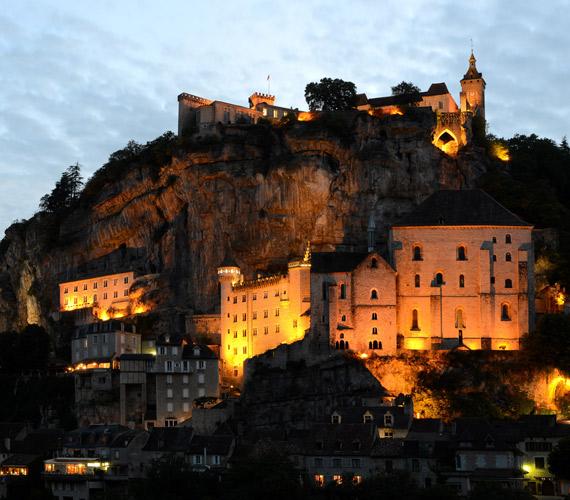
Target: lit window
{"type": "Point", "coordinates": [275, 113]}
{"type": "Point", "coordinates": [337, 478]}
{"type": "Point", "coordinates": [264, 111]}
{"type": "Point", "coordinates": [459, 319]}
{"type": "Point", "coordinates": [319, 480]}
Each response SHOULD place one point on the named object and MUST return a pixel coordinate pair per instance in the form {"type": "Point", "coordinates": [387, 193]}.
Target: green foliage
{"type": "Point", "coordinates": [154, 155]}
{"type": "Point", "coordinates": [406, 88]}
{"type": "Point", "coordinates": [330, 95]}
{"type": "Point", "coordinates": [549, 345]}
{"type": "Point", "coordinates": [65, 193]}
{"type": "Point", "coordinates": [535, 184]}
{"type": "Point", "coordinates": [559, 459]}
{"type": "Point", "coordinates": [28, 350]}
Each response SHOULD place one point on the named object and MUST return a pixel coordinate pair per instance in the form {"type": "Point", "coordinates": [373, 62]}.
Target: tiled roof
{"type": "Point", "coordinates": [214, 445]}
{"type": "Point", "coordinates": [469, 207]}
{"type": "Point", "coordinates": [169, 439]}
{"type": "Point", "coordinates": [388, 447]}
{"type": "Point", "coordinates": [436, 89]}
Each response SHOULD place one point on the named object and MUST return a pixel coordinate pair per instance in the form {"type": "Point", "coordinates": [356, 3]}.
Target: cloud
{"type": "Point", "coordinates": [80, 80]}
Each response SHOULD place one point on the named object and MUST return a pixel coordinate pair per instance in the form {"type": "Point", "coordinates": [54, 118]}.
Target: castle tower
{"type": "Point", "coordinates": [229, 274]}
{"type": "Point", "coordinates": [371, 234]}
{"type": "Point", "coordinates": [473, 89]}
{"type": "Point", "coordinates": [261, 98]}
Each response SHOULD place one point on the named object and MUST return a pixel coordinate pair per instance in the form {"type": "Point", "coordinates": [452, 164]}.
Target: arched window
{"type": "Point", "coordinates": [375, 344]}
{"type": "Point", "coordinates": [415, 321]}
{"type": "Point", "coordinates": [439, 279]}
{"type": "Point", "coordinates": [374, 331]}
{"type": "Point", "coordinates": [374, 263]}
{"type": "Point", "coordinates": [341, 345]}
{"type": "Point", "coordinates": [505, 313]}
{"type": "Point", "coordinates": [374, 316]}
{"type": "Point", "coordinates": [461, 253]}
{"type": "Point", "coordinates": [417, 280]}
{"type": "Point", "coordinates": [459, 319]}
{"type": "Point", "coordinates": [508, 257]}
{"type": "Point", "coordinates": [417, 253]}
{"type": "Point", "coordinates": [346, 345]}
{"type": "Point", "coordinates": [374, 295]}
{"type": "Point", "coordinates": [343, 317]}
{"type": "Point", "coordinates": [336, 345]}
{"type": "Point", "coordinates": [508, 239]}
{"type": "Point", "coordinates": [343, 291]}
{"type": "Point", "coordinates": [369, 345]}
{"type": "Point", "coordinates": [508, 283]}
{"type": "Point", "coordinates": [379, 344]}
{"type": "Point", "coordinates": [461, 281]}
{"type": "Point", "coordinates": [342, 335]}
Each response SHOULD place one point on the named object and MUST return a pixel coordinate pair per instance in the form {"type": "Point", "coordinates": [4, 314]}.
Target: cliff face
{"type": "Point", "coordinates": [257, 193]}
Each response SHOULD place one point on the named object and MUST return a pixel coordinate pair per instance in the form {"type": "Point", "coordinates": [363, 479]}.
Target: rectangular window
{"type": "Point", "coordinates": [170, 407]}
{"type": "Point", "coordinates": [243, 298]}
{"type": "Point", "coordinates": [115, 281]}
{"type": "Point", "coordinates": [276, 312]}
{"type": "Point", "coordinates": [115, 295]}
{"type": "Point", "coordinates": [235, 318]}
{"type": "Point", "coordinates": [175, 351]}
{"type": "Point", "coordinates": [185, 393]}
{"type": "Point", "coordinates": [125, 292]}
{"type": "Point", "coordinates": [275, 115]}
{"type": "Point", "coordinates": [245, 350]}
{"type": "Point", "coordinates": [125, 280]}
{"type": "Point", "coordinates": [85, 299]}
{"type": "Point", "coordinates": [75, 289]}
{"type": "Point", "coordinates": [186, 368]}
{"type": "Point", "coordinates": [105, 283]}
{"type": "Point", "coordinates": [356, 463]}
{"type": "Point", "coordinates": [65, 290]}
{"type": "Point", "coordinates": [105, 296]}
{"type": "Point", "coordinates": [265, 295]}
{"type": "Point", "coordinates": [254, 296]}
{"type": "Point", "coordinates": [235, 299]}
{"type": "Point", "coordinates": [85, 287]}
{"type": "Point", "coordinates": [266, 314]}
{"type": "Point", "coordinates": [95, 339]}
{"type": "Point", "coordinates": [169, 379]}
{"type": "Point", "coordinates": [201, 392]}
{"type": "Point", "coordinates": [169, 393]}
{"type": "Point", "coordinates": [95, 298]}
{"type": "Point", "coordinates": [255, 331]}
{"type": "Point", "coordinates": [255, 315]}
{"type": "Point", "coordinates": [201, 378]}
{"type": "Point", "coordinates": [540, 463]}
{"type": "Point", "coordinates": [169, 366]}
{"type": "Point", "coordinates": [294, 323]}
{"type": "Point", "coordinates": [201, 364]}
{"type": "Point", "coordinates": [185, 378]}
{"type": "Point", "coordinates": [185, 407]}
{"type": "Point", "coordinates": [244, 317]}
{"type": "Point", "coordinates": [235, 334]}
{"type": "Point", "coordinates": [95, 286]}
{"type": "Point", "coordinates": [276, 328]}
{"type": "Point", "coordinates": [244, 333]}
{"type": "Point", "coordinates": [265, 330]}
{"type": "Point", "coordinates": [216, 460]}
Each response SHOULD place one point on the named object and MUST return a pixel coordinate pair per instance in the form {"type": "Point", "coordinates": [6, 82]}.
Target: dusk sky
{"type": "Point", "coordinates": [79, 79]}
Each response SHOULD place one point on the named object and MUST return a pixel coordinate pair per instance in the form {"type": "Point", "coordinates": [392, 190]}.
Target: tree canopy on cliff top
{"type": "Point", "coordinates": [406, 88]}
{"type": "Point", "coordinates": [330, 95]}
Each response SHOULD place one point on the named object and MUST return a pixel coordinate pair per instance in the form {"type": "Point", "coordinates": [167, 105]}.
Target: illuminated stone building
{"type": "Point", "coordinates": [260, 314]}
{"type": "Point", "coordinates": [201, 114]}
{"type": "Point", "coordinates": [107, 296]}
{"type": "Point", "coordinates": [453, 128]}
{"type": "Point", "coordinates": [353, 301]}
{"type": "Point", "coordinates": [465, 270]}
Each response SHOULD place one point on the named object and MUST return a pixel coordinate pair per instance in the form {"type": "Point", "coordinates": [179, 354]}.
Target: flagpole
{"type": "Point", "coordinates": [269, 84]}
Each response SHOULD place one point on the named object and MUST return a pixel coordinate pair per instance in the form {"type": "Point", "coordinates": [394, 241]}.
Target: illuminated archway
{"type": "Point", "coordinates": [556, 385]}
{"type": "Point", "coordinates": [447, 142]}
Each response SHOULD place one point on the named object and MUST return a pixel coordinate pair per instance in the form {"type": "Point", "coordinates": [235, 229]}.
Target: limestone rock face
{"type": "Point", "coordinates": [255, 193]}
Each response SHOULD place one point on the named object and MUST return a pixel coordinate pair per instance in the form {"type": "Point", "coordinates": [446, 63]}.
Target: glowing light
{"type": "Point", "coordinates": [306, 116]}
{"type": "Point", "coordinates": [363, 355]}
{"type": "Point", "coordinates": [556, 383]}
{"type": "Point", "coordinates": [527, 468]}
{"type": "Point", "coordinates": [500, 151]}
{"type": "Point", "coordinates": [560, 299]}
{"type": "Point", "coordinates": [387, 111]}
{"type": "Point", "coordinates": [140, 309]}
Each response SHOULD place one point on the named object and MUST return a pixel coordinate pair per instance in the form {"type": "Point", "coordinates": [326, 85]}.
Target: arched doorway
{"type": "Point", "coordinates": [447, 142]}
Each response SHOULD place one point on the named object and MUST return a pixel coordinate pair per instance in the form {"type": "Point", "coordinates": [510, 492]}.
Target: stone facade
{"type": "Point", "coordinates": [261, 314]}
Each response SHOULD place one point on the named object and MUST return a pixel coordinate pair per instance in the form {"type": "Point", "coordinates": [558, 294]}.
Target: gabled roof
{"type": "Point", "coordinates": [436, 89]}
{"type": "Point", "coordinates": [468, 207]}
{"type": "Point", "coordinates": [355, 415]}
{"type": "Point", "coordinates": [169, 439]}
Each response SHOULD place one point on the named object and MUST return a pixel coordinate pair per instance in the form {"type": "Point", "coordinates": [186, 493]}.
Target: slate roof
{"type": "Point", "coordinates": [335, 262]}
{"type": "Point", "coordinates": [355, 415]}
{"type": "Point", "coordinates": [388, 448]}
{"type": "Point", "coordinates": [20, 460]}
{"type": "Point", "coordinates": [436, 89]}
{"type": "Point", "coordinates": [204, 352]}
{"type": "Point", "coordinates": [169, 439]}
{"type": "Point", "coordinates": [111, 436]}
{"type": "Point", "coordinates": [214, 445]}
{"type": "Point", "coordinates": [401, 99]}
{"type": "Point", "coordinates": [40, 442]}
{"type": "Point", "coordinates": [336, 439]}
{"type": "Point", "coordinates": [468, 207]}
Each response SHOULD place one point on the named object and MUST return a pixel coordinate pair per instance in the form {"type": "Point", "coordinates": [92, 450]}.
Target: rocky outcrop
{"type": "Point", "coordinates": [256, 192]}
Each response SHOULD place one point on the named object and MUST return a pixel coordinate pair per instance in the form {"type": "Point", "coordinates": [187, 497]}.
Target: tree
{"type": "Point", "coordinates": [66, 191]}
{"type": "Point", "coordinates": [406, 88]}
{"type": "Point", "coordinates": [559, 459]}
{"type": "Point", "coordinates": [330, 95]}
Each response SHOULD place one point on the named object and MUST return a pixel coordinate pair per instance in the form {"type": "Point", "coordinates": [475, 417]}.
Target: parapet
{"type": "Point", "coordinates": [194, 100]}
{"type": "Point", "coordinates": [259, 97]}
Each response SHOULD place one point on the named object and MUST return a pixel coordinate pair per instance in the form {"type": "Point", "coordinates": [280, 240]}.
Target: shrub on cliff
{"type": "Point", "coordinates": [549, 344]}
{"type": "Point", "coordinates": [65, 193]}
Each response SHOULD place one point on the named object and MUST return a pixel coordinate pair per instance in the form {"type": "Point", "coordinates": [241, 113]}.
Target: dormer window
{"type": "Point", "coordinates": [335, 418]}
{"type": "Point", "coordinates": [374, 263]}
{"type": "Point", "coordinates": [196, 351]}
{"type": "Point", "coordinates": [388, 420]}
{"type": "Point", "coordinates": [367, 418]}
{"type": "Point", "coordinates": [356, 445]}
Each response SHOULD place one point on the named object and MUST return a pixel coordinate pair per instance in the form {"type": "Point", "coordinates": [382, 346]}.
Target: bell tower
{"type": "Point", "coordinates": [472, 94]}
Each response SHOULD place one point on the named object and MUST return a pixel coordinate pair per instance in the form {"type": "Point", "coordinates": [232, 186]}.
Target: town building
{"type": "Point", "coordinates": [260, 314]}
{"type": "Point", "coordinates": [198, 114]}
{"type": "Point", "coordinates": [107, 296]}
{"type": "Point", "coordinates": [465, 273]}
{"type": "Point", "coordinates": [183, 373]}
